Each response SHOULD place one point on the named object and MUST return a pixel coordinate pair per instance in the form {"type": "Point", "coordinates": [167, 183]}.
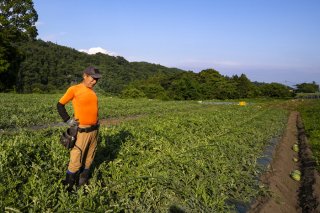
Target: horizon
{"type": "Point", "coordinates": [274, 41]}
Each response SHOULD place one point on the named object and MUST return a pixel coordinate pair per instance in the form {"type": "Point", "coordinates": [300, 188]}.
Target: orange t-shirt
{"type": "Point", "coordinates": [84, 102]}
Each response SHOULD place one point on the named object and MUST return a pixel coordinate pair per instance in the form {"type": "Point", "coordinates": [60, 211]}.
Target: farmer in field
{"type": "Point", "coordinates": [85, 107]}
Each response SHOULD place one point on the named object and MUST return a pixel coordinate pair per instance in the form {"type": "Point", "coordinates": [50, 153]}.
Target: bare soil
{"type": "Point", "coordinates": [286, 194]}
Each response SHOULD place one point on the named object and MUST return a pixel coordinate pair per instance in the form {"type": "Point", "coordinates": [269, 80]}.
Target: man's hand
{"type": "Point", "coordinates": [73, 122]}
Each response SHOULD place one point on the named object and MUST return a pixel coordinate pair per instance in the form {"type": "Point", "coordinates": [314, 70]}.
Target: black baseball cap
{"type": "Point", "coordinates": [93, 72]}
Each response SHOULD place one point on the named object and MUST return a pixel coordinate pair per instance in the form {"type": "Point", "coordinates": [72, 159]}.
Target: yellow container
{"type": "Point", "coordinates": [242, 103]}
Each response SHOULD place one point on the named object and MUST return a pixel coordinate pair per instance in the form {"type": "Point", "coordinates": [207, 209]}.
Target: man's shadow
{"type": "Point", "coordinates": [109, 147]}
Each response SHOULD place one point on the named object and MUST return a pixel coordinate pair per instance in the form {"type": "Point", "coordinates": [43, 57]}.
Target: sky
{"type": "Point", "coordinates": [267, 40]}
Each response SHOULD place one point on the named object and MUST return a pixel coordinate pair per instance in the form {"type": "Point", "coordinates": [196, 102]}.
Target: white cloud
{"type": "Point", "coordinates": [94, 50]}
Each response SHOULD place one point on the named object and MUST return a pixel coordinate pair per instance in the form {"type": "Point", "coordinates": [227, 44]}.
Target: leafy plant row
{"type": "Point", "coordinates": [311, 117]}
{"type": "Point", "coordinates": [198, 160]}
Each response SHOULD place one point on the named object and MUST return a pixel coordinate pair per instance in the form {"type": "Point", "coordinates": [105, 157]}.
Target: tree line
{"type": "Point", "coordinates": [210, 84]}
{"type": "Point", "coordinates": [30, 65]}
{"type": "Point", "coordinates": [207, 84]}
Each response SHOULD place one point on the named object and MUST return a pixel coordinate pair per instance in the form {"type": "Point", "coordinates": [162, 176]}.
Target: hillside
{"type": "Point", "coordinates": [48, 67]}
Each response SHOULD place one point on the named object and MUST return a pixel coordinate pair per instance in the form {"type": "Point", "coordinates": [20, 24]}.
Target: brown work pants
{"type": "Point", "coordinates": [82, 154]}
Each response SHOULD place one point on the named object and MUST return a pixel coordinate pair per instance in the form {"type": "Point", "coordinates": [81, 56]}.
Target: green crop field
{"type": "Point", "coordinates": [188, 156]}
{"type": "Point", "coordinates": [310, 112]}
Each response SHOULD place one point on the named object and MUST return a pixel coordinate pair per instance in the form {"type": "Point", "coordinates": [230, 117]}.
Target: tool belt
{"type": "Point", "coordinates": [89, 129]}
{"type": "Point", "coordinates": [69, 137]}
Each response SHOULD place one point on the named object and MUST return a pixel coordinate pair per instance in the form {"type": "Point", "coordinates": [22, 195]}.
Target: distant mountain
{"type": "Point", "coordinates": [49, 67]}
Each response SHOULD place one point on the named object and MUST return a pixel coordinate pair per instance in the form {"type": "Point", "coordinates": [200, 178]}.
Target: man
{"type": "Point", "coordinates": [85, 107]}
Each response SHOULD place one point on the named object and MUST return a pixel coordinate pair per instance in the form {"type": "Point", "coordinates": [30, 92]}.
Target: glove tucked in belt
{"type": "Point", "coordinates": [88, 129]}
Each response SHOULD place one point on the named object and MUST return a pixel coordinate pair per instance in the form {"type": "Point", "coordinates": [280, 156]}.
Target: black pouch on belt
{"type": "Point", "coordinates": [69, 137]}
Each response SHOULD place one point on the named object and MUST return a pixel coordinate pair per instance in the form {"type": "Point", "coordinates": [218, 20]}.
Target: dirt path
{"type": "Point", "coordinates": [288, 195]}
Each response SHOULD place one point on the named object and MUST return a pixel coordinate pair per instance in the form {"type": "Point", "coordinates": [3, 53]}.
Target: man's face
{"type": "Point", "coordinates": [89, 81]}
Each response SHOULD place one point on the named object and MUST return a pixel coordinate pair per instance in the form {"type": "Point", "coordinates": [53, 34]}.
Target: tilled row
{"type": "Point", "coordinates": [308, 199]}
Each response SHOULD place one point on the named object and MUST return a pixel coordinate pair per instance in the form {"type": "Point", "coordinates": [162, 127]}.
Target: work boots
{"type": "Point", "coordinates": [84, 177]}
{"type": "Point", "coordinates": [70, 181]}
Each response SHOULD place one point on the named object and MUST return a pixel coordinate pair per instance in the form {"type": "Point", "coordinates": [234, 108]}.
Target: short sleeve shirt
{"type": "Point", "coordinates": [84, 102]}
